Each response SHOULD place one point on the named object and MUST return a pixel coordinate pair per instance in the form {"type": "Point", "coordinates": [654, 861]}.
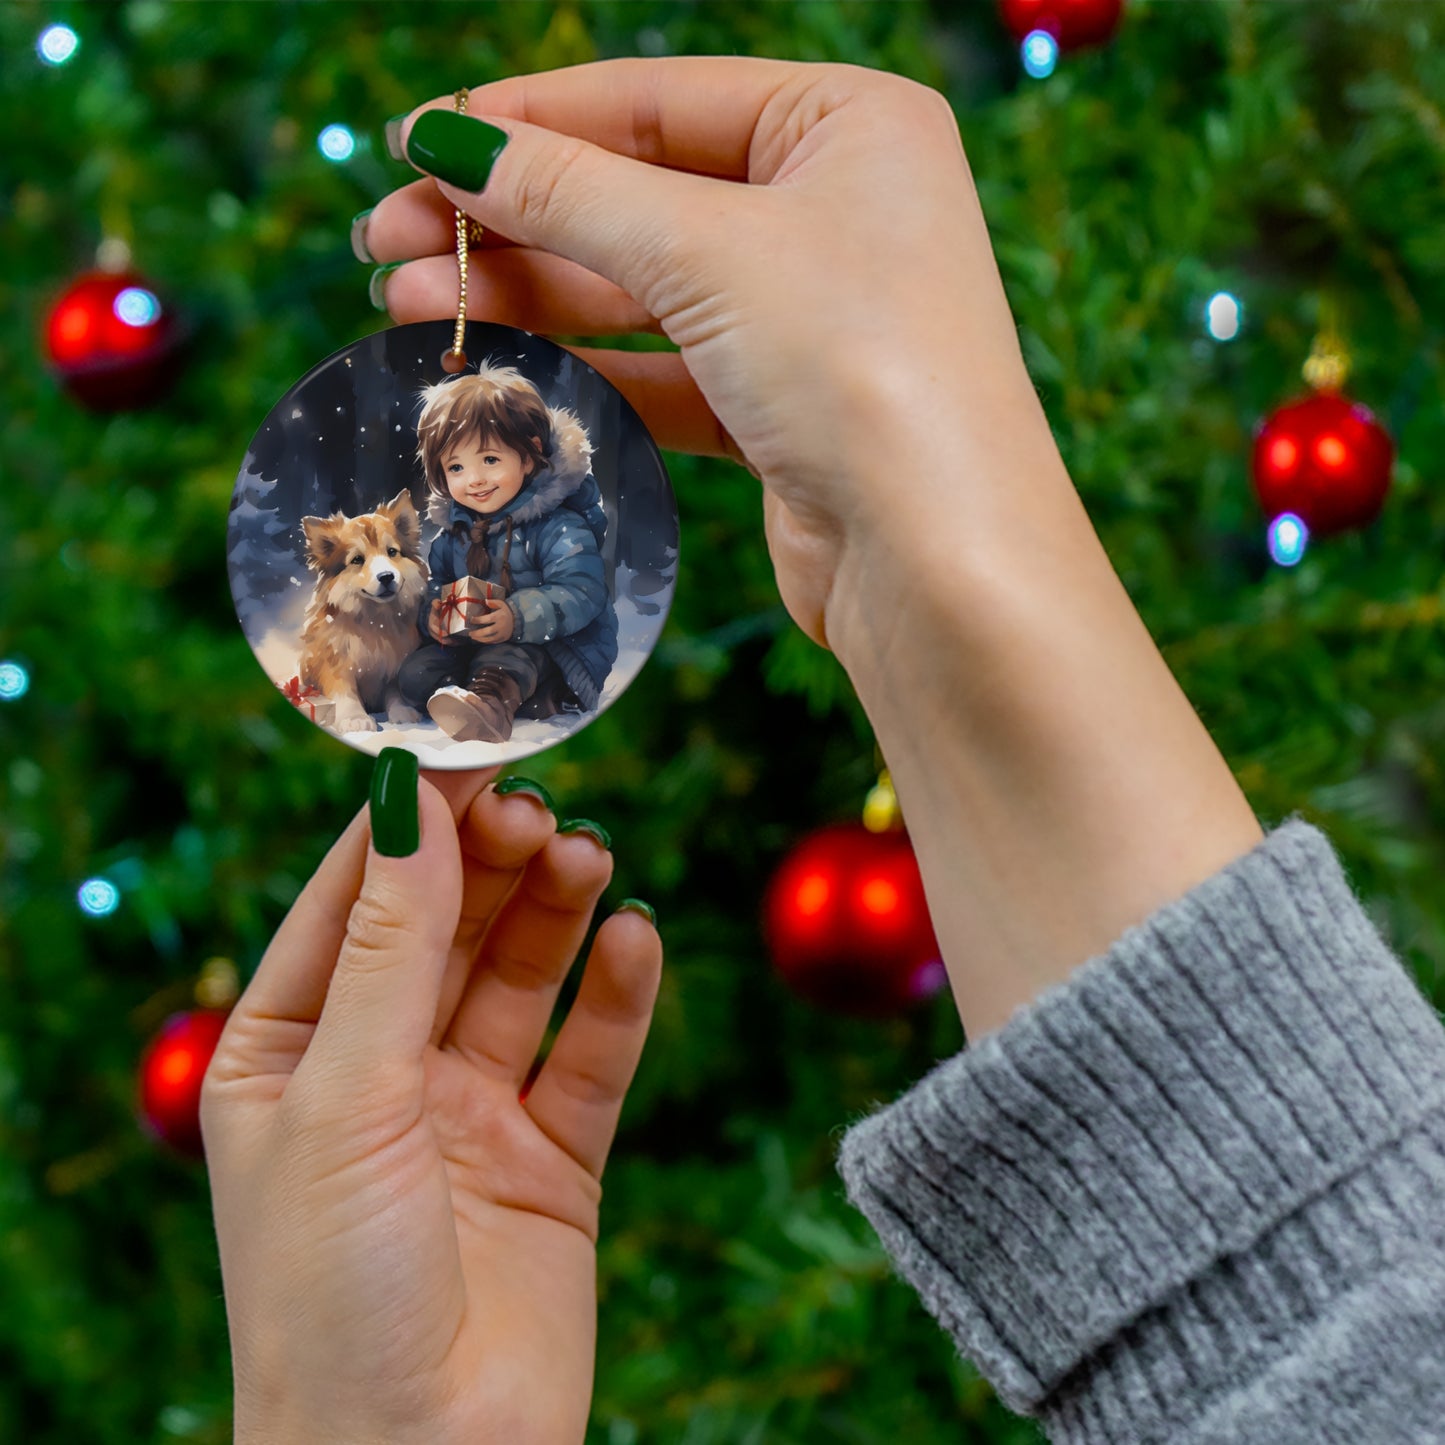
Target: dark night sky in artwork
{"type": "Point", "coordinates": [344, 439]}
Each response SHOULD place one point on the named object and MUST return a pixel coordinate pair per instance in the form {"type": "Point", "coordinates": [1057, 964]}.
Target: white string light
{"type": "Point", "coordinates": [57, 44]}
{"type": "Point", "coordinates": [336, 143]}
{"type": "Point", "coordinates": [98, 897]}
{"type": "Point", "coordinates": [1040, 53]}
{"type": "Point", "coordinates": [14, 681]}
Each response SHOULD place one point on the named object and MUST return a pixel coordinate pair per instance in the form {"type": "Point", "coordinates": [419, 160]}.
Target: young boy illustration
{"type": "Point", "coordinates": [510, 483]}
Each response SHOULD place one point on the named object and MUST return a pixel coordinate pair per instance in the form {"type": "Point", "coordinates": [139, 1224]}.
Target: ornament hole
{"type": "Point", "coordinates": [453, 361]}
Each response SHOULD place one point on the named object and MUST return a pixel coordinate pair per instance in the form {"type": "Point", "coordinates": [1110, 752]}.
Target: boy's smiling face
{"type": "Point", "coordinates": [484, 473]}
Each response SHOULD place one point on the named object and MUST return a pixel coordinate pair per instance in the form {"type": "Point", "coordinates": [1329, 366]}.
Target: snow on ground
{"type": "Point", "coordinates": [277, 652]}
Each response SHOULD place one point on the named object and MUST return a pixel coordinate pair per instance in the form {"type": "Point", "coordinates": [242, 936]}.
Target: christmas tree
{"type": "Point", "coordinates": [1211, 160]}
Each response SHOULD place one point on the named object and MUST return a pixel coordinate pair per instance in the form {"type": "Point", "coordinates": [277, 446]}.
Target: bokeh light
{"type": "Point", "coordinates": [137, 307]}
{"type": "Point", "coordinates": [1223, 316]}
{"type": "Point", "coordinates": [1040, 53]}
{"type": "Point", "coordinates": [336, 143]}
{"type": "Point", "coordinates": [1282, 454]}
{"type": "Point", "coordinates": [928, 980]}
{"type": "Point", "coordinates": [14, 681]}
{"type": "Point", "coordinates": [1288, 538]}
{"type": "Point", "coordinates": [879, 897]}
{"type": "Point", "coordinates": [57, 44]}
{"type": "Point", "coordinates": [98, 897]}
{"type": "Point", "coordinates": [812, 895]}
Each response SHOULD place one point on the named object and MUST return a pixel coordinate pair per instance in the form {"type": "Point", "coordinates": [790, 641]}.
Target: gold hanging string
{"type": "Point", "coordinates": [881, 813]}
{"type": "Point", "coordinates": [469, 232]}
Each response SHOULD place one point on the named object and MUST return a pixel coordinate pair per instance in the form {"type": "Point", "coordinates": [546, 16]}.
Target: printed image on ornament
{"type": "Point", "coordinates": [470, 566]}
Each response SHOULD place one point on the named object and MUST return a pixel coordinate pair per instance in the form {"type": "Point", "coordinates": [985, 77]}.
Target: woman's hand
{"type": "Point", "coordinates": [407, 1239]}
{"type": "Point", "coordinates": [809, 236]}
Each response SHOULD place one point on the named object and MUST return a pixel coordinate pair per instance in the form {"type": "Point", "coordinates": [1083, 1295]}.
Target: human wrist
{"type": "Point", "coordinates": [966, 508]}
{"type": "Point", "coordinates": [308, 1428]}
{"type": "Point", "coordinates": [1057, 784]}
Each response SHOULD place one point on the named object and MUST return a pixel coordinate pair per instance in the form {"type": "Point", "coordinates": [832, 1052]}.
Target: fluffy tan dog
{"type": "Point", "coordinates": [361, 623]}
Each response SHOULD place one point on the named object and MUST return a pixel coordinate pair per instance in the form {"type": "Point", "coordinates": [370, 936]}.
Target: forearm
{"type": "Point", "coordinates": [1057, 784]}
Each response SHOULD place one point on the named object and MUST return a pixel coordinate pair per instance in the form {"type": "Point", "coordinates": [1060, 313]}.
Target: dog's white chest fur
{"type": "Point", "coordinates": [361, 624]}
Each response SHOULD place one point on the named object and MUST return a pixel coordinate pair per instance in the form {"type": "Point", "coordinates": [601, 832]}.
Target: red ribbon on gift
{"type": "Point", "coordinates": [298, 696]}
{"type": "Point", "coordinates": [454, 602]}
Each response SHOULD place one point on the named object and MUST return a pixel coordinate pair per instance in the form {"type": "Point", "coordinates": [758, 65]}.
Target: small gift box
{"type": "Point", "coordinates": [464, 603]}
{"type": "Point", "coordinates": [310, 701]}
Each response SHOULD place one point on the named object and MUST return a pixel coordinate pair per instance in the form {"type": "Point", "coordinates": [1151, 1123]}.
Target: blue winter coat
{"type": "Point", "coordinates": [559, 596]}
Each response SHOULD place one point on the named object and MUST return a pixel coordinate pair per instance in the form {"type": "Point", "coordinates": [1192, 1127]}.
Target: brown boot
{"type": "Point", "coordinates": [481, 713]}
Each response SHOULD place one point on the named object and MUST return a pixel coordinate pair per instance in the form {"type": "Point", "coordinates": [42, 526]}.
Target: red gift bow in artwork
{"type": "Point", "coordinates": [454, 602]}
{"type": "Point", "coordinates": [298, 696]}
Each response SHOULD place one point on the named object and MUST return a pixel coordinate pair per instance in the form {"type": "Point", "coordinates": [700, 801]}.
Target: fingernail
{"type": "Point", "coordinates": [395, 812]}
{"type": "Point", "coordinates": [376, 289]}
{"type": "Point", "coordinates": [358, 236]}
{"type": "Point", "coordinates": [526, 785]}
{"type": "Point", "coordinates": [636, 905]}
{"type": "Point", "coordinates": [393, 136]}
{"type": "Point", "coordinates": [455, 148]}
{"type": "Point", "coordinates": [586, 825]}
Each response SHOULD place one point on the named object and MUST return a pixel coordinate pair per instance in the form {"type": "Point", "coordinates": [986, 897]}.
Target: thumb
{"type": "Point", "coordinates": [634, 224]}
{"type": "Point", "coordinates": [382, 1000]}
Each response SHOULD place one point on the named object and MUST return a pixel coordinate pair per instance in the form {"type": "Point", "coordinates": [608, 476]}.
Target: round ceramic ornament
{"type": "Point", "coordinates": [468, 559]}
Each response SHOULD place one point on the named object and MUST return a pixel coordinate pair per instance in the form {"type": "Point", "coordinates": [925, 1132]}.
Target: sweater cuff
{"type": "Point", "coordinates": [1234, 1057]}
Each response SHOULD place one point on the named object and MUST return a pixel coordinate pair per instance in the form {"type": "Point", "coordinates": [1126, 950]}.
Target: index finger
{"type": "Point", "coordinates": [698, 113]}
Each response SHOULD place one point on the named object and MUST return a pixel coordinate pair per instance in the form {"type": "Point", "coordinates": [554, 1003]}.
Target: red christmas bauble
{"type": "Point", "coordinates": [112, 341]}
{"type": "Point", "coordinates": [1073, 23]}
{"type": "Point", "coordinates": [847, 923]}
{"type": "Point", "coordinates": [1324, 458]}
{"type": "Point", "coordinates": [171, 1072]}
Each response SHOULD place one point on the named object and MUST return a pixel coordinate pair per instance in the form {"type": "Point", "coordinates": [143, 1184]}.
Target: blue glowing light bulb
{"type": "Point", "coordinates": [14, 681]}
{"type": "Point", "coordinates": [336, 143]}
{"type": "Point", "coordinates": [98, 897]}
{"type": "Point", "coordinates": [137, 307]}
{"type": "Point", "coordinates": [1040, 52]}
{"type": "Point", "coordinates": [1288, 538]}
{"type": "Point", "coordinates": [57, 44]}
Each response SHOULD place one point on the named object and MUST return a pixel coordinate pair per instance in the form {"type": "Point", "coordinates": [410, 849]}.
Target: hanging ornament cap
{"type": "Point", "coordinates": [219, 984]}
{"type": "Point", "coordinates": [881, 813]}
{"type": "Point", "coordinates": [1328, 366]}
{"type": "Point", "coordinates": [113, 254]}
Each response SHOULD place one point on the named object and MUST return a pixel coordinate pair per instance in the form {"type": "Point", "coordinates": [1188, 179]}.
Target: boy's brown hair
{"type": "Point", "coordinates": [495, 402]}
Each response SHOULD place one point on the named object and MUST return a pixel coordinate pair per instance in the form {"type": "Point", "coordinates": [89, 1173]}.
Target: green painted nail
{"type": "Point", "coordinates": [455, 148]}
{"type": "Point", "coordinates": [392, 132]}
{"type": "Point", "coordinates": [636, 905]}
{"type": "Point", "coordinates": [586, 825]}
{"type": "Point", "coordinates": [395, 812]}
{"type": "Point", "coordinates": [526, 785]}
{"type": "Point", "coordinates": [358, 236]}
{"type": "Point", "coordinates": [377, 287]}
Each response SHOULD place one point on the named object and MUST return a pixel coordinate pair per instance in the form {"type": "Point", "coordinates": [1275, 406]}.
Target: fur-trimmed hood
{"type": "Point", "coordinates": [544, 491]}
{"type": "Point", "coordinates": [545, 547]}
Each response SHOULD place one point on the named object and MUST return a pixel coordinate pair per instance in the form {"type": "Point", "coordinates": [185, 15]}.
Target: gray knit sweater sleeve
{"type": "Point", "coordinates": [1195, 1192]}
